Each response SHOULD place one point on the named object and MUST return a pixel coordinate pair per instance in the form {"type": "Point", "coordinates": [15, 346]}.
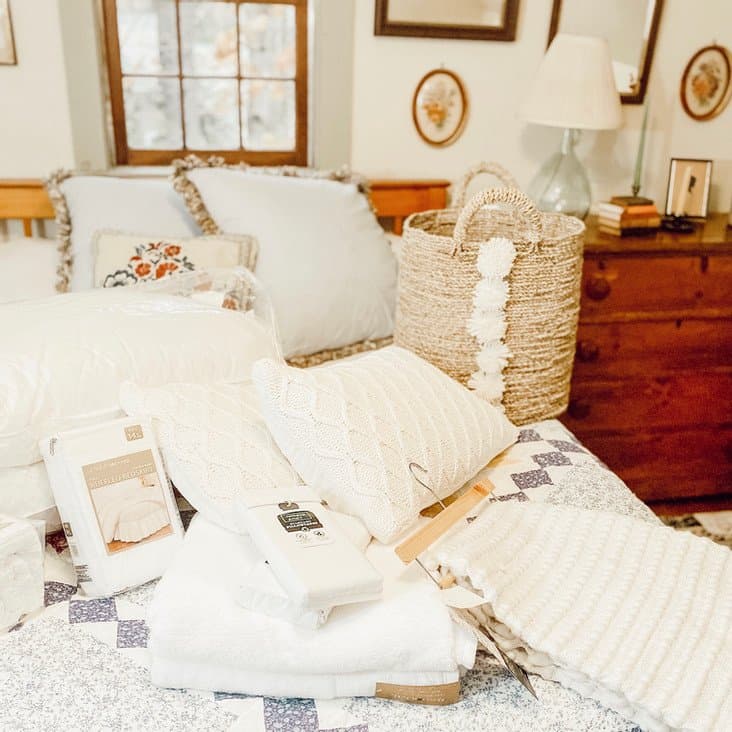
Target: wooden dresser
{"type": "Point", "coordinates": [652, 384]}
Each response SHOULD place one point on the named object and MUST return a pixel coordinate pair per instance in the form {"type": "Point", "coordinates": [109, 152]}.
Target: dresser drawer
{"type": "Point", "coordinates": [613, 285]}
{"type": "Point", "coordinates": [668, 465]}
{"type": "Point", "coordinates": [642, 402]}
{"type": "Point", "coordinates": [638, 348]}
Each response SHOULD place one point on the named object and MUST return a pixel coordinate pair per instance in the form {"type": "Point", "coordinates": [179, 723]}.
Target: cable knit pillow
{"type": "Point", "coordinates": [351, 428]}
{"type": "Point", "coordinates": [214, 443]}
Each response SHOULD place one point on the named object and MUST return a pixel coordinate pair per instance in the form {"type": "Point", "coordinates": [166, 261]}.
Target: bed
{"type": "Point", "coordinates": [78, 643]}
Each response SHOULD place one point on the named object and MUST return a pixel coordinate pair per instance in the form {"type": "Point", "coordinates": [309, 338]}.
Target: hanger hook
{"type": "Point", "coordinates": [424, 485]}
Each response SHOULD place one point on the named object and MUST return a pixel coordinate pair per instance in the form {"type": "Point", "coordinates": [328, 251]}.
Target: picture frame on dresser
{"type": "Point", "coordinates": [687, 193]}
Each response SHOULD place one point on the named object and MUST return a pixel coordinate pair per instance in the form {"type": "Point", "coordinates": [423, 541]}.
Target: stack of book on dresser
{"type": "Point", "coordinates": [628, 216]}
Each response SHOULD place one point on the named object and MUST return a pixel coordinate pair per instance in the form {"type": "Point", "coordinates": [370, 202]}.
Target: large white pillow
{"type": "Point", "coordinates": [62, 359]}
{"type": "Point", "coordinates": [214, 443]}
{"type": "Point", "coordinates": [323, 257]}
{"type": "Point", "coordinates": [27, 269]}
{"type": "Point", "coordinates": [87, 204]}
{"type": "Point", "coordinates": [26, 493]}
{"type": "Point", "coordinates": [352, 428]}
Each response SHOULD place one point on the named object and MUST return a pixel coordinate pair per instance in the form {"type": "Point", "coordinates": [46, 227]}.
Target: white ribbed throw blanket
{"type": "Point", "coordinates": [635, 615]}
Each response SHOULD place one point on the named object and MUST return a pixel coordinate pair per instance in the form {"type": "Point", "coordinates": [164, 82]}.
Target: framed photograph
{"type": "Point", "coordinates": [477, 20]}
{"type": "Point", "coordinates": [706, 85]}
{"type": "Point", "coordinates": [7, 42]}
{"type": "Point", "coordinates": [439, 107]}
{"type": "Point", "coordinates": [688, 188]}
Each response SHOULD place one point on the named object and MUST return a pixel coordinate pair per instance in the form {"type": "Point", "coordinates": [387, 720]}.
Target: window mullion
{"type": "Point", "coordinates": [180, 74]}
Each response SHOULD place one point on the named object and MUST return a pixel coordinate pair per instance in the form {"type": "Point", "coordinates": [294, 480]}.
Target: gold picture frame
{"type": "Point", "coordinates": [8, 56]}
{"type": "Point", "coordinates": [706, 84]}
{"type": "Point", "coordinates": [440, 107]}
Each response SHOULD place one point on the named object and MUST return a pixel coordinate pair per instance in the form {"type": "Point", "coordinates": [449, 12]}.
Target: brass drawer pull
{"type": "Point", "coordinates": [597, 287]}
{"type": "Point", "coordinates": [588, 351]}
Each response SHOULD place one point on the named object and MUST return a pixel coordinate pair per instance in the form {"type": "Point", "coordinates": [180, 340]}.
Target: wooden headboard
{"type": "Point", "coordinates": [26, 200]}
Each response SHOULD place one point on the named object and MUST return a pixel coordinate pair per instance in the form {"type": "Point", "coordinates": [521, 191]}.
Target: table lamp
{"type": "Point", "coordinates": [574, 88]}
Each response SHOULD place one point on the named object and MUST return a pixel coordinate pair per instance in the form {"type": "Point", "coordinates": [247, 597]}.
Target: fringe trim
{"type": "Point", "coordinates": [63, 227]}
{"type": "Point", "coordinates": [487, 322]}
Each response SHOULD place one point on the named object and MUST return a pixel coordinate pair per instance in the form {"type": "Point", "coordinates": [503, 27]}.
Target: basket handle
{"type": "Point", "coordinates": [509, 196]}
{"type": "Point", "coordinates": [494, 169]}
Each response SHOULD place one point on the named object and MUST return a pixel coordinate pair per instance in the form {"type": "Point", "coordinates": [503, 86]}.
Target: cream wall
{"type": "Point", "coordinates": [386, 70]}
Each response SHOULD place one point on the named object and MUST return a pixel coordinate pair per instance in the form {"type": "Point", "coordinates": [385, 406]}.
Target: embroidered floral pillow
{"type": "Point", "coordinates": [125, 259]}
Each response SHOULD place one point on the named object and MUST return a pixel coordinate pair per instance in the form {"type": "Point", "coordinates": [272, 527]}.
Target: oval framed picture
{"type": "Point", "coordinates": [706, 86]}
{"type": "Point", "coordinates": [439, 107]}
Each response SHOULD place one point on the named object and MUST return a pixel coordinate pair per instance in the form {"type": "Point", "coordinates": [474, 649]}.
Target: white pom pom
{"type": "Point", "coordinates": [487, 326]}
{"type": "Point", "coordinates": [496, 257]}
{"type": "Point", "coordinates": [491, 295]}
{"type": "Point", "coordinates": [493, 357]}
{"type": "Point", "coordinates": [487, 386]}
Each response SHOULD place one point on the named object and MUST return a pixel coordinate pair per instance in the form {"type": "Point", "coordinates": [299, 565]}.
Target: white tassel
{"type": "Point", "coordinates": [487, 322]}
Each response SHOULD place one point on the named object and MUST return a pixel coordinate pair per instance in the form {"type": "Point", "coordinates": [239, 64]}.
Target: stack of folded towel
{"type": "Point", "coordinates": [202, 637]}
{"type": "Point", "coordinates": [636, 615]}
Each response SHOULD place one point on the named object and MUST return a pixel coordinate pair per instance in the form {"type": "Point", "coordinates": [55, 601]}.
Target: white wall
{"type": "Point", "coordinates": [387, 69]}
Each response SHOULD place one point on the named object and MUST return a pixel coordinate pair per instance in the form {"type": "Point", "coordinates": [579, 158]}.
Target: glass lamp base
{"type": "Point", "coordinates": [562, 185]}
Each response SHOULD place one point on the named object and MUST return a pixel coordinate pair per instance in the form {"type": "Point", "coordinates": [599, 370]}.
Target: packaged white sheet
{"type": "Point", "coordinates": [309, 553]}
{"type": "Point", "coordinates": [21, 569]}
{"type": "Point", "coordinates": [117, 509]}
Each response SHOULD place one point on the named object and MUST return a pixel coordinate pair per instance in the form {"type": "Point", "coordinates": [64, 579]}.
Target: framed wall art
{"type": "Point", "coordinates": [477, 20]}
{"type": "Point", "coordinates": [689, 182]}
{"type": "Point", "coordinates": [706, 85]}
{"type": "Point", "coordinates": [7, 42]}
{"type": "Point", "coordinates": [439, 107]}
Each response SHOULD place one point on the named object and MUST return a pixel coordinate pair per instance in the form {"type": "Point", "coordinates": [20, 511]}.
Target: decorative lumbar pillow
{"type": "Point", "coordinates": [215, 444]}
{"type": "Point", "coordinates": [64, 357]}
{"type": "Point", "coordinates": [323, 257]}
{"type": "Point", "coordinates": [85, 204]}
{"type": "Point", "coordinates": [125, 259]}
{"type": "Point", "coordinates": [352, 428]}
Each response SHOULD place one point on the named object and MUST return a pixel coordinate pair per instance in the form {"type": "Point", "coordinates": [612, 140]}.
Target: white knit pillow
{"type": "Point", "coordinates": [215, 445]}
{"type": "Point", "coordinates": [351, 428]}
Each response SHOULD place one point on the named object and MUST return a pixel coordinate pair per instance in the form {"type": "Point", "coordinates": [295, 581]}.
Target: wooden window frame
{"type": "Point", "coordinates": [128, 156]}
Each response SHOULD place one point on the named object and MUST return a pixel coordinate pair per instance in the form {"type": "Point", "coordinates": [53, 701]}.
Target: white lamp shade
{"type": "Point", "coordinates": [574, 86]}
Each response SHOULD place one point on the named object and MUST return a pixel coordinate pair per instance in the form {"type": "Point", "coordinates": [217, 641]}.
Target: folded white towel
{"type": "Point", "coordinates": [196, 623]}
{"type": "Point", "coordinates": [636, 615]}
{"type": "Point", "coordinates": [21, 569]}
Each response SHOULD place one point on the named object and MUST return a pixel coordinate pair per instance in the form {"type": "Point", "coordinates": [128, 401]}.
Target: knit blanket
{"type": "Point", "coordinates": [633, 614]}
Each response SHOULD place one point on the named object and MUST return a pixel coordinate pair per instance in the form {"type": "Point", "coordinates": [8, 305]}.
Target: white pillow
{"type": "Point", "coordinates": [86, 204]}
{"type": "Point", "coordinates": [323, 257]}
{"type": "Point", "coordinates": [64, 357]}
{"type": "Point", "coordinates": [27, 269]}
{"type": "Point", "coordinates": [352, 428]}
{"type": "Point", "coordinates": [214, 443]}
{"type": "Point", "coordinates": [26, 493]}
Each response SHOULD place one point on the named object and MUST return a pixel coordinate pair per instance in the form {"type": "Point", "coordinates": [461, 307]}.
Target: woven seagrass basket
{"type": "Point", "coordinates": [437, 285]}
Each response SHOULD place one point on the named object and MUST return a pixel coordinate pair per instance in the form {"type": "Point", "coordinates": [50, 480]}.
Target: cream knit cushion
{"type": "Point", "coordinates": [351, 428]}
{"type": "Point", "coordinates": [634, 614]}
{"type": "Point", "coordinates": [214, 443]}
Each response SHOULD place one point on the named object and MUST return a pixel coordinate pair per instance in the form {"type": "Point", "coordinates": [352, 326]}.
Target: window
{"type": "Point", "coordinates": [213, 77]}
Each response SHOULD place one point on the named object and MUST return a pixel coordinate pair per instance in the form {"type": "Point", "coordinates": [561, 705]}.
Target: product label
{"type": "Point", "coordinates": [128, 500]}
{"type": "Point", "coordinates": [304, 527]}
{"type": "Point", "coordinates": [438, 694]}
{"type": "Point", "coordinates": [133, 432]}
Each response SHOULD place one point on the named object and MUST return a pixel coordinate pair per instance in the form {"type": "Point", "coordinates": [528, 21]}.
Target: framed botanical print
{"type": "Point", "coordinates": [706, 86]}
{"type": "Point", "coordinates": [7, 42]}
{"type": "Point", "coordinates": [439, 107]}
{"type": "Point", "coordinates": [486, 20]}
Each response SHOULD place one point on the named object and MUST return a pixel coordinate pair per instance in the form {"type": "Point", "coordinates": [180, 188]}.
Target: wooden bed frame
{"type": "Point", "coordinates": [26, 200]}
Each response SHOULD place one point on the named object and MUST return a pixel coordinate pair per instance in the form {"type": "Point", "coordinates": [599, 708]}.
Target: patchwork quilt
{"type": "Point", "coordinates": [82, 663]}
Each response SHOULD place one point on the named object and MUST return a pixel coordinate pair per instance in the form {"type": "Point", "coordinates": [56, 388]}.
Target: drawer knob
{"type": "Point", "coordinates": [578, 409]}
{"type": "Point", "coordinates": [597, 288]}
{"type": "Point", "coordinates": [588, 351]}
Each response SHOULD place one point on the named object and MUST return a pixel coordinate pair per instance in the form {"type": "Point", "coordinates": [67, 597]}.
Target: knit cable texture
{"type": "Point", "coordinates": [634, 615]}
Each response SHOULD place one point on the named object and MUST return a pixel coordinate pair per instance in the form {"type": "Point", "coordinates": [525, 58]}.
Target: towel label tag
{"type": "Point", "coordinates": [437, 694]}
{"type": "Point", "coordinates": [305, 528]}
